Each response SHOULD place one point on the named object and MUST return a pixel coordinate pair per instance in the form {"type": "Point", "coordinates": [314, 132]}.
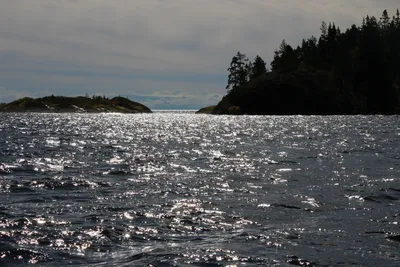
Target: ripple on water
{"type": "Point", "coordinates": [178, 189]}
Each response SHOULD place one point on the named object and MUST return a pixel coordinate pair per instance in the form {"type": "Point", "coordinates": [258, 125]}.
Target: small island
{"type": "Point", "coordinates": [356, 71]}
{"type": "Point", "coordinates": [79, 104]}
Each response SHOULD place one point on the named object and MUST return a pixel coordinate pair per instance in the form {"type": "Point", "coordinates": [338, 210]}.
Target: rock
{"type": "Point", "coordinates": [234, 110]}
{"type": "Point", "coordinates": [206, 110]}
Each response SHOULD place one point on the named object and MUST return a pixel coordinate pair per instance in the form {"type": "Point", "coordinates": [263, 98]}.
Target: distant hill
{"type": "Point", "coordinates": [81, 104]}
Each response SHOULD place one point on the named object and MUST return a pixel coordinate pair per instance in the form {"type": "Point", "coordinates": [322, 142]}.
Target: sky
{"type": "Point", "coordinates": [166, 54]}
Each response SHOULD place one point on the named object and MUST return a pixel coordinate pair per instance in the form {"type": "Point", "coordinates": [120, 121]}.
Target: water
{"type": "Point", "coordinates": [179, 189]}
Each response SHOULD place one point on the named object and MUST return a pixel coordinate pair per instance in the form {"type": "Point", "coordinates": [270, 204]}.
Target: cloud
{"type": "Point", "coordinates": [147, 46]}
{"type": "Point", "coordinates": [10, 95]}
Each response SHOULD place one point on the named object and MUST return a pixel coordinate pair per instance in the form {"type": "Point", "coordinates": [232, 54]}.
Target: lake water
{"type": "Point", "coordinates": [179, 189]}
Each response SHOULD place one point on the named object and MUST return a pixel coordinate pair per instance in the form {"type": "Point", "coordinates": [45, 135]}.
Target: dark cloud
{"type": "Point", "coordinates": [143, 47]}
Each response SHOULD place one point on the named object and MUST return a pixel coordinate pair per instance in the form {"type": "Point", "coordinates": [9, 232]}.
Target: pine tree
{"type": "Point", "coordinates": [249, 70]}
{"type": "Point", "coordinates": [258, 67]}
{"type": "Point", "coordinates": [324, 30]}
{"type": "Point", "coordinates": [237, 71]}
{"type": "Point", "coordinates": [396, 19]}
{"type": "Point", "coordinates": [285, 58]}
{"type": "Point", "coordinates": [276, 62]}
{"type": "Point", "coordinates": [308, 52]}
{"type": "Point", "coordinates": [384, 22]}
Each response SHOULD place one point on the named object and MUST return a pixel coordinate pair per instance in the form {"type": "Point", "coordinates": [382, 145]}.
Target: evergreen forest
{"type": "Point", "coordinates": [355, 71]}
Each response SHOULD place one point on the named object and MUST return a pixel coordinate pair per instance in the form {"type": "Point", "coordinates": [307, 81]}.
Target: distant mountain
{"type": "Point", "coordinates": [81, 104]}
{"type": "Point", "coordinates": [181, 101]}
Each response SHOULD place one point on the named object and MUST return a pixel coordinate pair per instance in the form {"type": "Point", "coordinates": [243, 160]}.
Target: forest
{"type": "Point", "coordinates": [355, 71]}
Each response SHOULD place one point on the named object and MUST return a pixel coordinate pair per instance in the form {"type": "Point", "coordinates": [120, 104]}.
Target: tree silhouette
{"type": "Point", "coordinates": [258, 67]}
{"type": "Point", "coordinates": [285, 58]}
{"type": "Point", "coordinates": [361, 63]}
{"type": "Point", "coordinates": [237, 71]}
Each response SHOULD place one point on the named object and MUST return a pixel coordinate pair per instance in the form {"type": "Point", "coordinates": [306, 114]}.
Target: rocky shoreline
{"type": "Point", "coordinates": [62, 104]}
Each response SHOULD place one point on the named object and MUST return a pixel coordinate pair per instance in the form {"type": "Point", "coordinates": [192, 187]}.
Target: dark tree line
{"type": "Point", "coordinates": [363, 60]}
{"type": "Point", "coordinates": [243, 70]}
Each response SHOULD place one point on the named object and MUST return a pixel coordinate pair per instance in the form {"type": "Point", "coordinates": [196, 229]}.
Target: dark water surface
{"type": "Point", "coordinates": [179, 189]}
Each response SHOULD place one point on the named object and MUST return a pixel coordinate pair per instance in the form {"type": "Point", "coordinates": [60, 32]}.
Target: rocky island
{"type": "Point", "coordinates": [80, 104]}
{"type": "Point", "coordinates": [356, 71]}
